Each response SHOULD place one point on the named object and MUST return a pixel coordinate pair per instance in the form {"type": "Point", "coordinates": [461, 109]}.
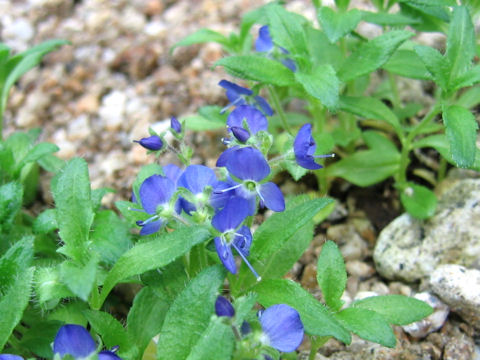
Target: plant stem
{"type": "Point", "coordinates": [401, 177]}
{"type": "Point", "coordinates": [316, 343]}
{"type": "Point", "coordinates": [278, 107]}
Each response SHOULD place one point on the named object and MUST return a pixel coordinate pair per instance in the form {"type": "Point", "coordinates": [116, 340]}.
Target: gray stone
{"type": "Point", "coordinates": [431, 323]}
{"type": "Point", "coordinates": [460, 289]}
{"type": "Point", "coordinates": [411, 249]}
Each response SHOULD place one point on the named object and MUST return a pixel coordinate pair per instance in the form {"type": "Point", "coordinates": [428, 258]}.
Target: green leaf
{"type": "Point", "coordinates": [316, 318]}
{"type": "Point", "coordinates": [419, 201]}
{"type": "Point", "coordinates": [372, 55]}
{"type": "Point", "coordinates": [291, 231]}
{"type": "Point", "coordinates": [13, 303]}
{"type": "Point", "coordinates": [286, 29]}
{"type": "Point", "coordinates": [15, 260]}
{"type": "Point", "coordinates": [396, 309]}
{"type": "Point", "coordinates": [112, 332]}
{"type": "Point", "coordinates": [71, 192]}
{"type": "Point", "coordinates": [378, 141]}
{"type": "Point", "coordinates": [19, 64]}
{"type": "Point", "coordinates": [368, 325]}
{"type": "Point", "coordinates": [408, 64]}
{"type": "Point", "coordinates": [189, 315]}
{"type": "Point", "coordinates": [37, 152]}
{"type": "Point", "coordinates": [338, 24]}
{"type": "Point", "coordinates": [367, 167]}
{"type": "Point", "coordinates": [469, 78]}
{"type": "Point", "coordinates": [145, 318]}
{"type": "Point", "coordinates": [435, 63]}
{"type": "Point", "coordinates": [45, 222]}
{"type": "Point", "coordinates": [258, 68]}
{"type": "Point", "coordinates": [79, 278]}
{"type": "Point", "coordinates": [461, 44]}
{"type": "Point", "coordinates": [331, 275]}
{"type": "Point", "coordinates": [387, 19]}
{"type": "Point", "coordinates": [48, 287]}
{"type": "Point", "coordinates": [461, 130]}
{"type": "Point", "coordinates": [11, 197]}
{"type": "Point", "coordinates": [97, 196]}
{"type": "Point", "coordinates": [243, 306]}
{"type": "Point", "coordinates": [152, 255]}
{"type": "Point", "coordinates": [369, 108]}
{"type": "Point", "coordinates": [202, 36]}
{"type": "Point", "coordinates": [110, 237]}
{"type": "Point", "coordinates": [321, 83]}
{"type": "Point", "coordinates": [469, 98]}
{"type": "Point", "coordinates": [217, 339]}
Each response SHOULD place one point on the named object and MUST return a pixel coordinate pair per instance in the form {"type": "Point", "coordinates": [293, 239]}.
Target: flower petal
{"type": "Point", "coordinates": [108, 355]}
{"type": "Point", "coordinates": [196, 177]}
{"type": "Point", "coordinates": [248, 164]}
{"type": "Point", "coordinates": [172, 172]}
{"type": "Point", "coordinates": [263, 105]}
{"type": "Point", "coordinates": [234, 91]}
{"type": "Point", "coordinates": [255, 119]}
{"type": "Point", "coordinates": [264, 41]}
{"type": "Point", "coordinates": [283, 327]}
{"type": "Point", "coordinates": [223, 307]}
{"type": "Point", "coordinates": [155, 190]}
{"type": "Point", "coordinates": [232, 215]}
{"type": "Point", "coordinates": [223, 158]}
{"type": "Point", "coordinates": [74, 340]}
{"type": "Point", "coordinates": [243, 241]}
{"type": "Point", "coordinates": [225, 254]}
{"type": "Point", "coordinates": [151, 227]}
{"type": "Point", "coordinates": [304, 147]}
{"type": "Point", "coordinates": [10, 357]}
{"type": "Point", "coordinates": [272, 196]}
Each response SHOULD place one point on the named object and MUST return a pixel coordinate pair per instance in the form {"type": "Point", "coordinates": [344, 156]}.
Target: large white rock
{"type": "Point", "coordinates": [459, 288]}
{"type": "Point", "coordinates": [410, 249]}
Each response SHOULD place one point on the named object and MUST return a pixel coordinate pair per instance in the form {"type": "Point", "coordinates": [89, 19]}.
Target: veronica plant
{"type": "Point", "coordinates": [377, 131]}
{"type": "Point", "coordinates": [191, 232]}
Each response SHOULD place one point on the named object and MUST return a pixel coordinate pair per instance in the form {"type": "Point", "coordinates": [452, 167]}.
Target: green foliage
{"type": "Point", "coordinates": [331, 276]}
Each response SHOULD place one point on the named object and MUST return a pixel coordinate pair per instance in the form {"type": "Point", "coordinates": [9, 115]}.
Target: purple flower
{"type": "Point", "coordinates": [264, 43]}
{"type": "Point", "coordinates": [239, 95]}
{"type": "Point", "coordinates": [153, 142]}
{"type": "Point", "coordinates": [228, 222]}
{"type": "Point", "coordinates": [253, 118]}
{"type": "Point", "coordinates": [10, 357]}
{"type": "Point", "coordinates": [304, 148]}
{"type": "Point", "coordinates": [175, 125]}
{"type": "Point", "coordinates": [250, 167]}
{"type": "Point", "coordinates": [223, 307]}
{"type": "Point", "coordinates": [282, 327]}
{"type": "Point", "coordinates": [76, 341]}
{"type": "Point", "coordinates": [73, 340]}
{"type": "Point", "coordinates": [155, 194]}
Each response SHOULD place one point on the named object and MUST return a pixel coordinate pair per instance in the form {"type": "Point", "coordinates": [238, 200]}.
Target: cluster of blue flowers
{"type": "Point", "coordinates": [76, 341]}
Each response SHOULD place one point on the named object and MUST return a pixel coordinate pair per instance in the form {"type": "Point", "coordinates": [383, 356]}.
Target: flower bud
{"type": "Point", "coordinates": [240, 134]}
{"type": "Point", "coordinates": [175, 125]}
{"type": "Point", "coordinates": [153, 142]}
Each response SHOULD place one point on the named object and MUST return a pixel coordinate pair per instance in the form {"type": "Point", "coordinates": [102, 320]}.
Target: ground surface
{"type": "Point", "coordinates": [118, 78]}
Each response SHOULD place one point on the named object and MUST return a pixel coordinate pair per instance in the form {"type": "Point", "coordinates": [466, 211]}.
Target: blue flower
{"type": "Point", "coordinates": [196, 179]}
{"type": "Point", "coordinates": [228, 222]}
{"type": "Point", "coordinates": [175, 125]}
{"type": "Point", "coordinates": [223, 307]}
{"type": "Point", "coordinates": [304, 148]}
{"type": "Point", "coordinates": [282, 327]}
{"type": "Point", "coordinates": [264, 43]}
{"type": "Point", "coordinates": [250, 167]}
{"type": "Point", "coordinates": [10, 357]}
{"type": "Point", "coordinates": [239, 95]}
{"type": "Point", "coordinates": [155, 194]}
{"type": "Point", "coordinates": [254, 119]}
{"type": "Point", "coordinates": [76, 341]}
{"type": "Point", "coordinates": [153, 142]}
